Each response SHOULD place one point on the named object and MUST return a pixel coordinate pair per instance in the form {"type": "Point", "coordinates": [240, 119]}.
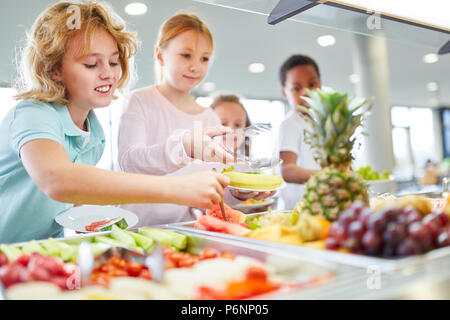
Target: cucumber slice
{"type": "Point", "coordinates": [32, 246]}
{"type": "Point", "coordinates": [67, 252]}
{"type": "Point", "coordinates": [115, 243]}
{"type": "Point", "coordinates": [51, 247]}
{"type": "Point", "coordinates": [11, 252]}
{"type": "Point", "coordinates": [122, 224]}
{"type": "Point", "coordinates": [122, 236]}
{"type": "Point", "coordinates": [108, 241]}
{"type": "Point", "coordinates": [99, 248]}
{"type": "Point", "coordinates": [166, 237]}
{"type": "Point", "coordinates": [78, 241]}
{"type": "Point", "coordinates": [144, 242]}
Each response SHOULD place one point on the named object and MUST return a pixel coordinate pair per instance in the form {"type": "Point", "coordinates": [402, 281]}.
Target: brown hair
{"type": "Point", "coordinates": [230, 98]}
{"type": "Point", "coordinates": [47, 44]}
{"type": "Point", "coordinates": [174, 26]}
{"type": "Point", "coordinates": [292, 62]}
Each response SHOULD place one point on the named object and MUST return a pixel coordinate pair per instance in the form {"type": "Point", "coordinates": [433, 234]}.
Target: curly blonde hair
{"type": "Point", "coordinates": [175, 25]}
{"type": "Point", "coordinates": [47, 44]}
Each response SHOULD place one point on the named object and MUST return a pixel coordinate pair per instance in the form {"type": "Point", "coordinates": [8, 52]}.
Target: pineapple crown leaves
{"type": "Point", "coordinates": [334, 118]}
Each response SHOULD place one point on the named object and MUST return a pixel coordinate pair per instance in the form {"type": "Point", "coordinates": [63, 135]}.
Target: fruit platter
{"type": "Point", "coordinates": [48, 269]}
{"type": "Point", "coordinates": [393, 234]}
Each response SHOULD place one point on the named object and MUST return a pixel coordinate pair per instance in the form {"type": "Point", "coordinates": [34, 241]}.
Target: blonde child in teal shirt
{"type": "Point", "coordinates": [51, 141]}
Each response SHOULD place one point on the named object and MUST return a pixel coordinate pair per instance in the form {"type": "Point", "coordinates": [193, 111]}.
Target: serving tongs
{"type": "Point", "coordinates": [252, 130]}
{"type": "Point", "coordinates": [154, 260]}
{"type": "Point", "coordinates": [241, 150]}
{"type": "Point", "coordinates": [222, 206]}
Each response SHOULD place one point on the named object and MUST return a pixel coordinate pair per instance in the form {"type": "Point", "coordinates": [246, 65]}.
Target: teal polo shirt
{"type": "Point", "coordinates": [27, 213]}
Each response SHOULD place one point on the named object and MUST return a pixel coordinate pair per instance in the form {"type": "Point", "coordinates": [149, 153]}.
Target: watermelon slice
{"type": "Point", "coordinates": [199, 226]}
{"type": "Point", "coordinates": [233, 216]}
{"type": "Point", "coordinates": [210, 223]}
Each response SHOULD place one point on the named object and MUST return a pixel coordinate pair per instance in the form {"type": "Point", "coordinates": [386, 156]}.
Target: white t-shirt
{"type": "Point", "coordinates": [292, 139]}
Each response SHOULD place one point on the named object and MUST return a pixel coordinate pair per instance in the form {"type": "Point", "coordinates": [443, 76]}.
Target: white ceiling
{"type": "Point", "coordinates": [242, 38]}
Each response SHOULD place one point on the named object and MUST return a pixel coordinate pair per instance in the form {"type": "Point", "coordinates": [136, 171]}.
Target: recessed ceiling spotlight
{"type": "Point", "coordinates": [326, 41]}
{"type": "Point", "coordinates": [136, 8]}
{"type": "Point", "coordinates": [430, 58]}
{"type": "Point", "coordinates": [354, 78]}
{"type": "Point", "coordinates": [209, 86]}
{"type": "Point", "coordinates": [256, 68]}
{"type": "Point", "coordinates": [432, 86]}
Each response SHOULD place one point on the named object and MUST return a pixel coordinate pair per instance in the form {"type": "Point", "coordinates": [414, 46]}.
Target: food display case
{"type": "Point", "coordinates": [314, 274]}
{"type": "Point", "coordinates": [299, 273]}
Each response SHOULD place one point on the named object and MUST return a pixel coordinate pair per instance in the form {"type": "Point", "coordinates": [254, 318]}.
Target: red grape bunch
{"type": "Point", "coordinates": [389, 232]}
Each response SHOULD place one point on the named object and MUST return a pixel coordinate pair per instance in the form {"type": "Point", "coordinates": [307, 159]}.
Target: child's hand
{"type": "Point", "coordinates": [201, 146]}
{"type": "Point", "coordinates": [201, 190]}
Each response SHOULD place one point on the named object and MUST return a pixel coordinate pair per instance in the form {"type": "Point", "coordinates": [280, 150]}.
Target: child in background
{"type": "Point", "coordinates": [297, 73]}
{"type": "Point", "coordinates": [161, 120]}
{"type": "Point", "coordinates": [232, 114]}
{"type": "Point", "coordinates": [51, 140]}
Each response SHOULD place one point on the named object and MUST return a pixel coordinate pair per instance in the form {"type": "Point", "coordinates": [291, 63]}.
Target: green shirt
{"type": "Point", "coordinates": [27, 213]}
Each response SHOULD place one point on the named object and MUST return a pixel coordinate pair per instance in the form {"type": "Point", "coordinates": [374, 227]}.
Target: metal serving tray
{"type": "Point", "coordinates": [287, 266]}
{"type": "Point", "coordinates": [387, 265]}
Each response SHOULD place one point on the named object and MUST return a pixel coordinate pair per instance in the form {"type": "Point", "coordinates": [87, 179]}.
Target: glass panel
{"type": "Point", "coordinates": [259, 111]}
{"type": "Point", "coordinates": [357, 22]}
{"type": "Point", "coordinates": [264, 111]}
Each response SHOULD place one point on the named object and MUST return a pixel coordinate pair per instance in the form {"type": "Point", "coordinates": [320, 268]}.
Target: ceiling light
{"type": "Point", "coordinates": [209, 86]}
{"type": "Point", "coordinates": [354, 78]}
{"type": "Point", "coordinates": [136, 8]}
{"type": "Point", "coordinates": [326, 41]}
{"type": "Point", "coordinates": [430, 58]}
{"type": "Point", "coordinates": [432, 86]}
{"type": "Point", "coordinates": [256, 68]}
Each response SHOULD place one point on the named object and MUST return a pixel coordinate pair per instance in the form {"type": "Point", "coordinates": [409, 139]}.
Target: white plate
{"type": "Point", "coordinates": [254, 205]}
{"type": "Point", "coordinates": [78, 218]}
{"type": "Point", "coordinates": [257, 190]}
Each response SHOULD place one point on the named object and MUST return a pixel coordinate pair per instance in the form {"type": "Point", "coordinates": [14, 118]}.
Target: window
{"type": "Point", "coordinates": [445, 120]}
{"type": "Point", "coordinates": [6, 101]}
{"type": "Point", "coordinates": [413, 139]}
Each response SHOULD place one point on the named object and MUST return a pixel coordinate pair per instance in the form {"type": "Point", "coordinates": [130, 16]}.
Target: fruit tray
{"type": "Point", "coordinates": [390, 265]}
{"type": "Point", "coordinates": [305, 274]}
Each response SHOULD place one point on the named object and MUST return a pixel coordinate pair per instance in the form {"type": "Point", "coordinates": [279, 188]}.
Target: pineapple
{"type": "Point", "coordinates": [333, 120]}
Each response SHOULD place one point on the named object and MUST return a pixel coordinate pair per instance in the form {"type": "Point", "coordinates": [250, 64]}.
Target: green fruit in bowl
{"type": "Point", "coordinates": [368, 174]}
